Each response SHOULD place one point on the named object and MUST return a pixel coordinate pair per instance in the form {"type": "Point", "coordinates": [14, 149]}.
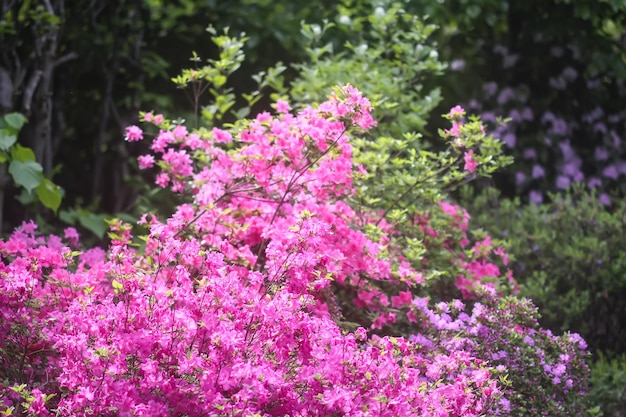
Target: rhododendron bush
{"type": "Point", "coordinates": [269, 292]}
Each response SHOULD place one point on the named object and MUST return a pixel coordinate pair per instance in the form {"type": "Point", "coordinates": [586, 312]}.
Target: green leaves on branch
{"type": "Point", "coordinates": [213, 76]}
{"type": "Point", "coordinates": [23, 167]}
{"type": "Point", "coordinates": [383, 51]}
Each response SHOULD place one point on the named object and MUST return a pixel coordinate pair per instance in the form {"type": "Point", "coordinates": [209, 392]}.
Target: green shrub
{"type": "Point", "coordinates": [568, 256]}
{"type": "Point", "coordinates": [608, 391]}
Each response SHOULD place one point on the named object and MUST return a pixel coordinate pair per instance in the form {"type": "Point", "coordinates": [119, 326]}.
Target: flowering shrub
{"type": "Point", "coordinates": [228, 307]}
{"type": "Point", "coordinates": [505, 331]}
{"type": "Point", "coordinates": [578, 282]}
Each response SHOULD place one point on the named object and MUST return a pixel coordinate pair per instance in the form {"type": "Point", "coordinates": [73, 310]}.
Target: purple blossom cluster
{"type": "Point", "coordinates": [563, 144]}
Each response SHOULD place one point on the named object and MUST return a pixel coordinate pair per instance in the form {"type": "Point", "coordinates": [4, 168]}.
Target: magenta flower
{"type": "Point", "coordinates": [470, 163]}
{"type": "Point", "coordinates": [133, 134]}
{"type": "Point", "coordinates": [145, 161]}
{"type": "Point", "coordinates": [282, 106]}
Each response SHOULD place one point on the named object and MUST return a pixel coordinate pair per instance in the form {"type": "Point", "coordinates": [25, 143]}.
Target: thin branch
{"type": "Point", "coordinates": [49, 7]}
{"type": "Point", "coordinates": [29, 91]}
{"type": "Point", "coordinates": [65, 58]}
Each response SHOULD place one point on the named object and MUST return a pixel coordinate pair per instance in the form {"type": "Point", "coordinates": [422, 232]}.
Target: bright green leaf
{"type": "Point", "coordinates": [22, 154]}
{"type": "Point", "coordinates": [68, 216]}
{"type": "Point", "coordinates": [15, 120]}
{"type": "Point", "coordinates": [25, 198]}
{"type": "Point", "coordinates": [6, 139]}
{"type": "Point", "coordinates": [93, 223]}
{"type": "Point", "coordinates": [49, 194]}
{"type": "Point", "coordinates": [27, 174]}
{"type": "Point", "coordinates": [117, 285]}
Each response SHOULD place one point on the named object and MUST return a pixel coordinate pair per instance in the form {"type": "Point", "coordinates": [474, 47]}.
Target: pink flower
{"type": "Point", "coordinates": [179, 132]}
{"type": "Point", "coordinates": [282, 106]}
{"type": "Point", "coordinates": [264, 117]}
{"type": "Point", "coordinates": [456, 113]}
{"type": "Point", "coordinates": [145, 161]}
{"type": "Point", "coordinates": [133, 134]}
{"type": "Point", "coordinates": [221, 136]}
{"type": "Point", "coordinates": [158, 119]}
{"type": "Point", "coordinates": [470, 163]}
{"type": "Point", "coordinates": [71, 234]}
{"type": "Point", "coordinates": [162, 180]}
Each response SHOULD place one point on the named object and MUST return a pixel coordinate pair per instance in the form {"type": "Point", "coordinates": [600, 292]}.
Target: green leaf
{"type": "Point", "coordinates": [8, 411]}
{"type": "Point", "coordinates": [117, 286]}
{"type": "Point", "coordinates": [93, 223]}
{"type": "Point", "coordinates": [22, 154]}
{"type": "Point", "coordinates": [25, 198]}
{"type": "Point", "coordinates": [6, 139]}
{"type": "Point", "coordinates": [27, 174]}
{"type": "Point", "coordinates": [15, 120]}
{"type": "Point", "coordinates": [49, 194]}
{"type": "Point", "coordinates": [68, 216]}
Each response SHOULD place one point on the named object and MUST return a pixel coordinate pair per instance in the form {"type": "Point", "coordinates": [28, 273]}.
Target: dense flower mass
{"type": "Point", "coordinates": [234, 304]}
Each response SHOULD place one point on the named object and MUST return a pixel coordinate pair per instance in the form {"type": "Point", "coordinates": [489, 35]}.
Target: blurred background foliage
{"type": "Point", "coordinates": [81, 71]}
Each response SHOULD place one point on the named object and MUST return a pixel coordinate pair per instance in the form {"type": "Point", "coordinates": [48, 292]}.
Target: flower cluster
{"type": "Point", "coordinates": [545, 374]}
{"type": "Point", "coordinates": [233, 305]}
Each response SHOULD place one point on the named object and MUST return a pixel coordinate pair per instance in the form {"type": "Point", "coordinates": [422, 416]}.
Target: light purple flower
{"type": "Point", "coordinates": [601, 154]}
{"type": "Point", "coordinates": [579, 177]}
{"type": "Point", "coordinates": [510, 139]}
{"type": "Point", "coordinates": [558, 83]}
{"type": "Point", "coordinates": [520, 177]}
{"type": "Point", "coordinates": [562, 182]}
{"type": "Point", "coordinates": [530, 153]}
{"type": "Point", "coordinates": [489, 89]}
{"type": "Point", "coordinates": [616, 139]}
{"type": "Point", "coordinates": [488, 116]}
{"type": "Point", "coordinates": [527, 114]}
{"type": "Point", "coordinates": [500, 49]}
{"type": "Point", "coordinates": [547, 117]}
{"type": "Point", "coordinates": [569, 73]}
{"type": "Point", "coordinates": [604, 199]}
{"type": "Point", "coordinates": [593, 116]}
{"type": "Point", "coordinates": [600, 127]}
{"type": "Point", "coordinates": [594, 182]}
{"type": "Point", "coordinates": [515, 115]}
{"type": "Point", "coordinates": [610, 172]}
{"type": "Point", "coordinates": [566, 150]}
{"type": "Point", "coordinates": [559, 370]}
{"type": "Point", "coordinates": [535, 196]}
{"type": "Point", "coordinates": [593, 84]}
{"type": "Point", "coordinates": [559, 126]}
{"type": "Point", "coordinates": [457, 65]}
{"type": "Point", "coordinates": [572, 167]}
{"type": "Point", "coordinates": [506, 95]}
{"type": "Point", "coordinates": [538, 171]}
{"type": "Point", "coordinates": [505, 404]}
{"type": "Point", "coordinates": [508, 61]}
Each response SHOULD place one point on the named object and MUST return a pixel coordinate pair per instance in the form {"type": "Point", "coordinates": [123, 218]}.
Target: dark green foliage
{"type": "Point", "coordinates": [569, 259]}
{"type": "Point", "coordinates": [608, 378]}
